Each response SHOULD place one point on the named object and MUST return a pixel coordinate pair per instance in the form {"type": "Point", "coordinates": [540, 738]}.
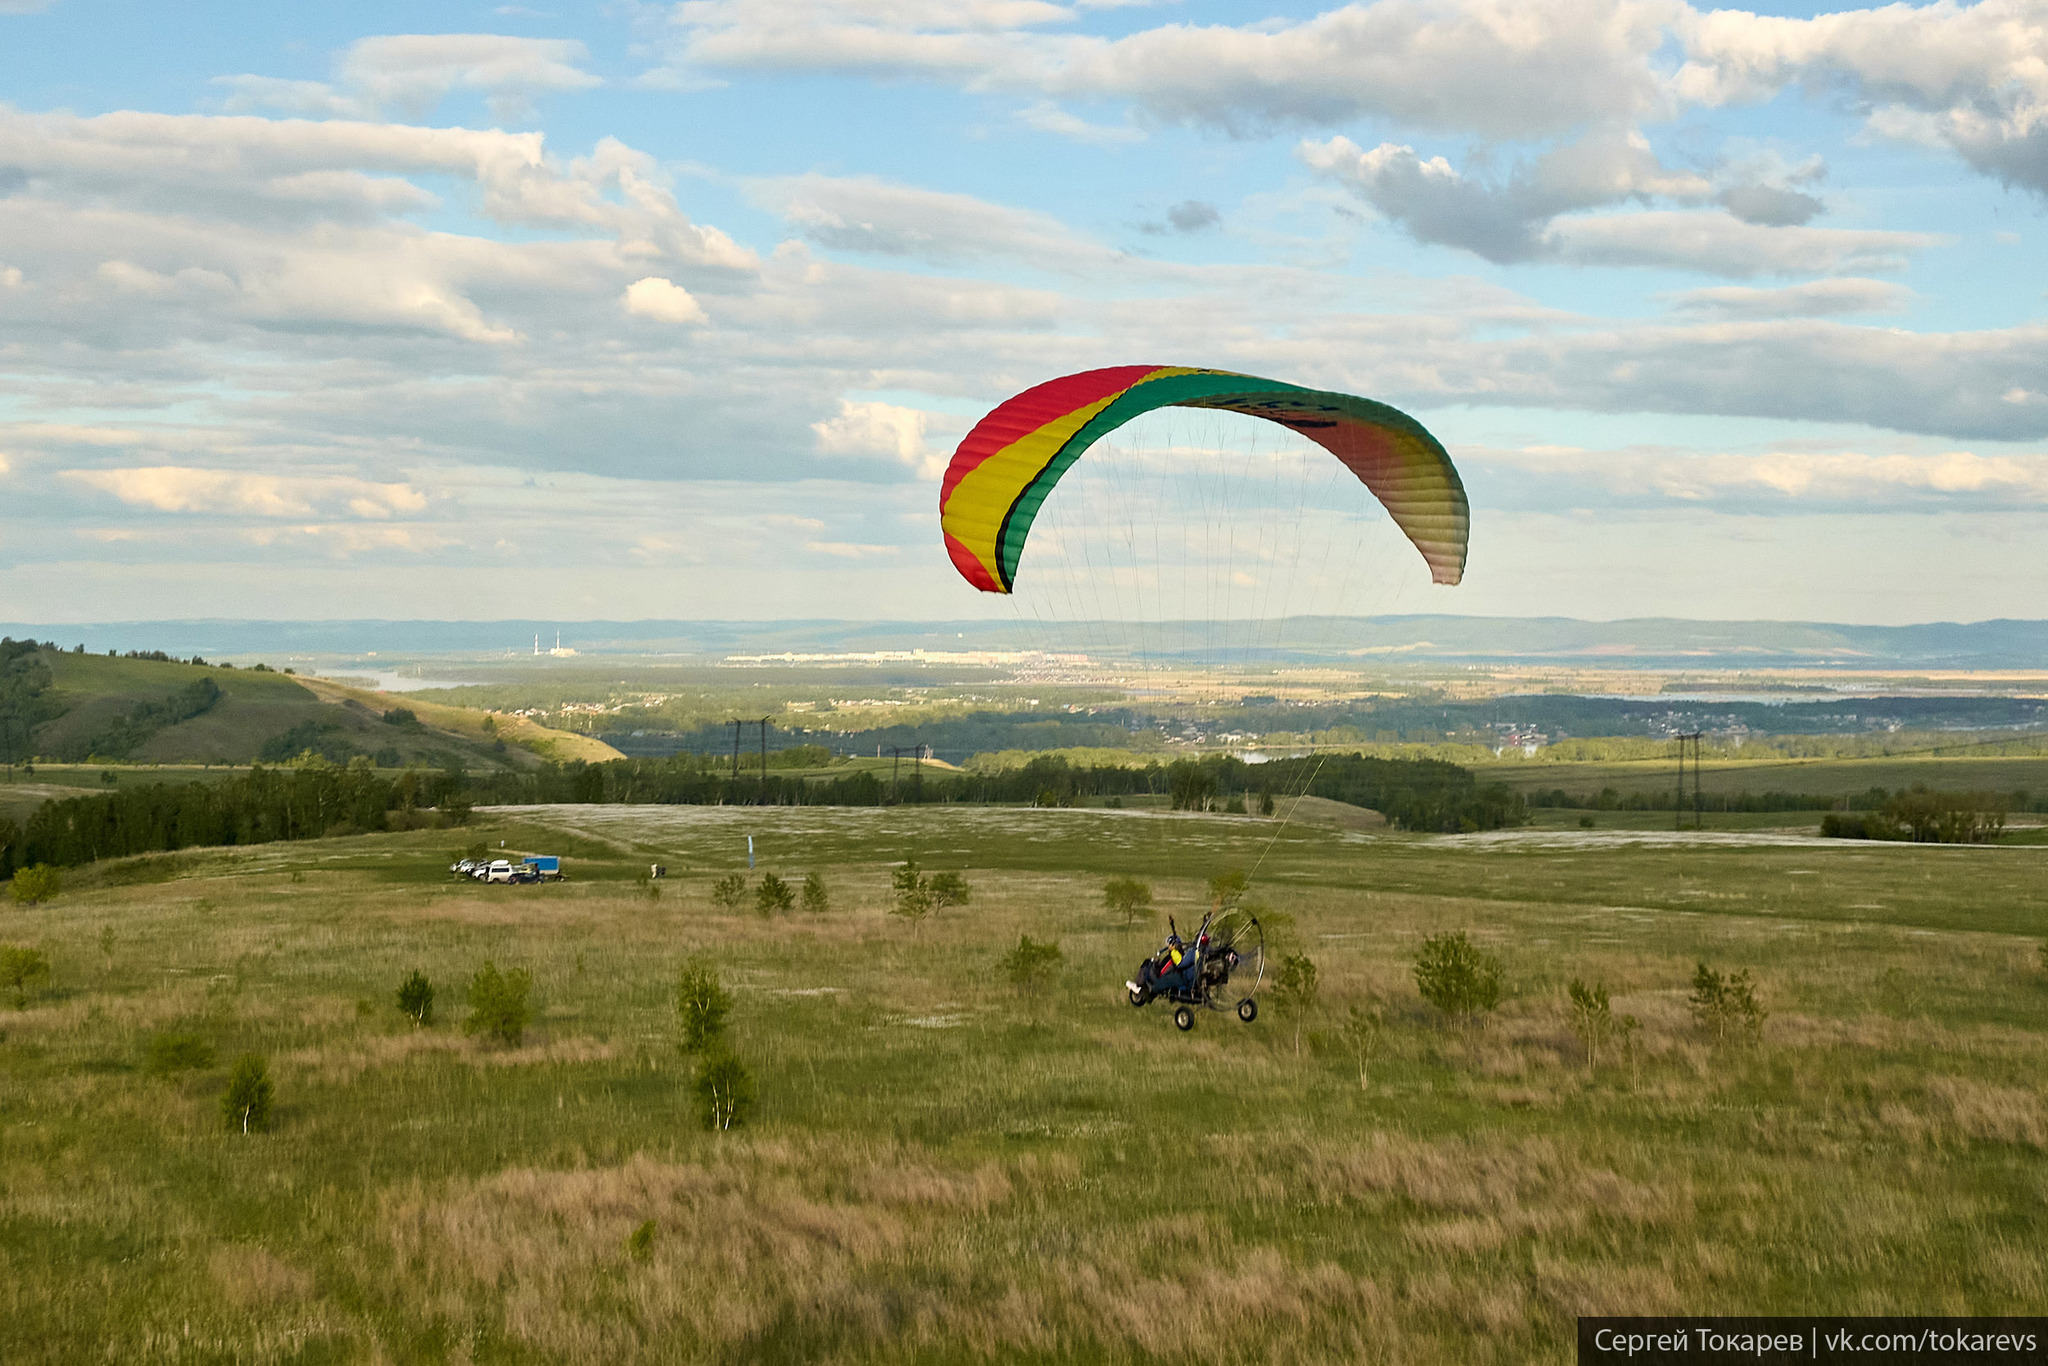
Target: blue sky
{"type": "Point", "coordinates": [677, 311]}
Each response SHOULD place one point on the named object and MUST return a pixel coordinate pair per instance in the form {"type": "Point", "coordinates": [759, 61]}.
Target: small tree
{"type": "Point", "coordinates": [1295, 990]}
{"type": "Point", "coordinates": [948, 889]}
{"type": "Point", "coordinates": [724, 1089]}
{"type": "Point", "coordinates": [1266, 803]}
{"type": "Point", "coordinates": [1127, 897]}
{"type": "Point", "coordinates": [1030, 966]}
{"type": "Point", "coordinates": [817, 899]}
{"type": "Point", "coordinates": [1592, 1019]}
{"type": "Point", "coordinates": [22, 969]}
{"type": "Point", "coordinates": [729, 892]}
{"type": "Point", "coordinates": [1227, 887]}
{"type": "Point", "coordinates": [1361, 1031]}
{"type": "Point", "coordinates": [914, 899]}
{"type": "Point", "coordinates": [773, 896]}
{"type": "Point", "coordinates": [498, 1005]}
{"type": "Point", "coordinates": [702, 1007]}
{"type": "Point", "coordinates": [1632, 1048]}
{"type": "Point", "coordinates": [1720, 1003]}
{"type": "Point", "coordinates": [245, 1105]}
{"type": "Point", "coordinates": [416, 999]}
{"type": "Point", "coordinates": [40, 883]}
{"type": "Point", "coordinates": [1456, 977]}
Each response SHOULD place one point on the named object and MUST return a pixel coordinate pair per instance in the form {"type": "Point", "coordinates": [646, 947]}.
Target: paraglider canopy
{"type": "Point", "coordinates": [1004, 470]}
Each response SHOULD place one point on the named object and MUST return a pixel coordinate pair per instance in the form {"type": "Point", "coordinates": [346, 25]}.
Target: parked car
{"type": "Point", "coordinates": [499, 871]}
{"type": "Point", "coordinates": [466, 866]}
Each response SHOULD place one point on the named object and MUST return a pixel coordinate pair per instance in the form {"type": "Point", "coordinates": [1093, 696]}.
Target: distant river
{"type": "Point", "coordinates": [390, 681]}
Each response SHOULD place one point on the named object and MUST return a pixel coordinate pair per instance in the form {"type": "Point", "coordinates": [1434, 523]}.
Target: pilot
{"type": "Point", "coordinates": [1169, 970]}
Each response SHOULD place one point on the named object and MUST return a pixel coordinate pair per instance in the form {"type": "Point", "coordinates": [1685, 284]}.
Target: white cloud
{"type": "Point", "coordinates": [413, 72]}
{"type": "Point", "coordinates": [1814, 299]}
{"type": "Point", "coordinates": [1792, 478]}
{"type": "Point", "coordinates": [876, 217]}
{"type": "Point", "coordinates": [664, 301]}
{"type": "Point", "coordinates": [1048, 117]}
{"type": "Point", "coordinates": [173, 488]}
{"type": "Point", "coordinates": [1524, 217]}
{"type": "Point", "coordinates": [1491, 67]}
{"type": "Point", "coordinates": [880, 430]}
{"type": "Point", "coordinates": [1720, 244]}
{"type": "Point", "coordinates": [850, 550]}
{"type": "Point", "coordinates": [1973, 78]}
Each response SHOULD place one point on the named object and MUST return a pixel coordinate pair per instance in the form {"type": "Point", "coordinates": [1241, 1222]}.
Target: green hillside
{"type": "Point", "coordinates": [81, 708]}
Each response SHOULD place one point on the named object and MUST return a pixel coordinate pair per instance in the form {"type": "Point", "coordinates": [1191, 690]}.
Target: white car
{"type": "Point", "coordinates": [500, 871]}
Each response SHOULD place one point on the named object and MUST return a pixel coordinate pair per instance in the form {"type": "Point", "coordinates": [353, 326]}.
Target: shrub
{"type": "Point", "coordinates": [22, 969]}
{"type": "Point", "coordinates": [724, 1089]}
{"type": "Point", "coordinates": [245, 1105]}
{"type": "Point", "coordinates": [640, 1242]}
{"type": "Point", "coordinates": [817, 899]}
{"type": "Point", "coordinates": [1457, 977]}
{"type": "Point", "coordinates": [497, 1003]}
{"type": "Point", "coordinates": [1227, 887]}
{"type": "Point", "coordinates": [913, 892]}
{"type": "Point", "coordinates": [1266, 803]}
{"type": "Point", "coordinates": [702, 1005]}
{"type": "Point", "coordinates": [773, 896]}
{"type": "Point", "coordinates": [1030, 966]}
{"type": "Point", "coordinates": [170, 1054]}
{"type": "Point", "coordinates": [1295, 989]}
{"type": "Point", "coordinates": [729, 891]}
{"type": "Point", "coordinates": [1592, 1019]}
{"type": "Point", "coordinates": [416, 998]}
{"type": "Point", "coordinates": [1126, 897]}
{"type": "Point", "coordinates": [39, 883]}
{"type": "Point", "coordinates": [1361, 1034]}
{"type": "Point", "coordinates": [1721, 1002]}
{"type": "Point", "coordinates": [949, 889]}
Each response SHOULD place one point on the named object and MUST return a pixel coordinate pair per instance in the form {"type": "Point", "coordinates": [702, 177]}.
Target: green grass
{"type": "Point", "coordinates": [96, 691]}
{"type": "Point", "coordinates": [938, 1170]}
{"type": "Point", "coordinates": [1823, 777]}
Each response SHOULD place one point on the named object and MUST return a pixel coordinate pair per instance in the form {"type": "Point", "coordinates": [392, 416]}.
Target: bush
{"type": "Point", "coordinates": [170, 1054]}
{"type": "Point", "coordinates": [1592, 1018]}
{"type": "Point", "coordinates": [913, 891]}
{"type": "Point", "coordinates": [22, 969]}
{"type": "Point", "coordinates": [416, 998]}
{"type": "Point", "coordinates": [1720, 1003]}
{"type": "Point", "coordinates": [817, 899]}
{"type": "Point", "coordinates": [724, 1089]}
{"type": "Point", "coordinates": [39, 883]}
{"type": "Point", "coordinates": [1126, 897]}
{"type": "Point", "coordinates": [1227, 887]}
{"type": "Point", "coordinates": [497, 1003]}
{"type": "Point", "coordinates": [640, 1242]}
{"type": "Point", "coordinates": [1361, 1035]}
{"type": "Point", "coordinates": [729, 891]}
{"type": "Point", "coordinates": [1456, 977]}
{"type": "Point", "coordinates": [949, 889]}
{"type": "Point", "coordinates": [245, 1105]}
{"type": "Point", "coordinates": [702, 1005]}
{"type": "Point", "coordinates": [1030, 966]}
{"type": "Point", "coordinates": [1295, 989]}
{"type": "Point", "coordinates": [773, 896]}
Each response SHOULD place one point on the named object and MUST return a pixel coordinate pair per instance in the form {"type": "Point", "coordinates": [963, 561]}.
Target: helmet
{"type": "Point", "coordinates": [1174, 940]}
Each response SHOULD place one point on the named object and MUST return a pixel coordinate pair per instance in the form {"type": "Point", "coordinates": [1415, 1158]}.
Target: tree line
{"type": "Point", "coordinates": [313, 798]}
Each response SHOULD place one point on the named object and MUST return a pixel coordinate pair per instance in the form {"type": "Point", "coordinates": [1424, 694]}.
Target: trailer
{"type": "Point", "coordinates": [548, 866]}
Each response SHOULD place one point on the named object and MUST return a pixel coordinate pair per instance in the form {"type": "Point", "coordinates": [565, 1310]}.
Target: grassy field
{"type": "Point", "coordinates": [940, 1170]}
{"type": "Point", "coordinates": [1821, 777]}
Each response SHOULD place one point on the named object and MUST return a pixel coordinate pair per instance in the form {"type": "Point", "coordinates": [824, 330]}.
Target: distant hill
{"type": "Point", "coordinates": [1647, 642]}
{"type": "Point", "coordinates": [72, 708]}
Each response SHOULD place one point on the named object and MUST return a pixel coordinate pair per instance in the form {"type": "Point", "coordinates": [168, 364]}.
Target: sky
{"type": "Point", "coordinates": [639, 311]}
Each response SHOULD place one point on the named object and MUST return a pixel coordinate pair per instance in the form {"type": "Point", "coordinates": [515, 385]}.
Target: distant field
{"type": "Point", "coordinates": [1827, 777]}
{"type": "Point", "coordinates": [940, 1170]}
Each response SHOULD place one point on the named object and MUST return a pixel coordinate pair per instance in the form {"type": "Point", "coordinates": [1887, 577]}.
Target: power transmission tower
{"type": "Point", "coordinates": [1698, 801]}
{"type": "Point", "coordinates": [764, 762]}
{"type": "Point", "coordinates": [916, 753]}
